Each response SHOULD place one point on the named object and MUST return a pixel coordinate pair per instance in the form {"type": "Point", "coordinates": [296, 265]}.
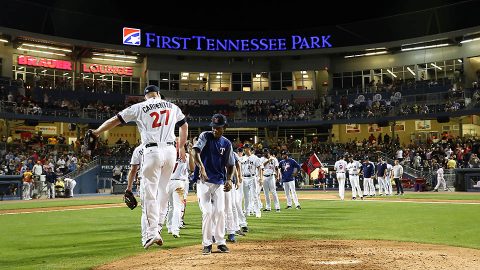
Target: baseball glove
{"type": "Point", "coordinates": [130, 199]}
{"type": "Point", "coordinates": [90, 140]}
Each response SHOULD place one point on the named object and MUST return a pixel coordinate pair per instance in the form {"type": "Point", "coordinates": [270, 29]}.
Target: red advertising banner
{"type": "Point", "coordinates": [44, 62]}
{"type": "Point", "coordinates": [107, 69]}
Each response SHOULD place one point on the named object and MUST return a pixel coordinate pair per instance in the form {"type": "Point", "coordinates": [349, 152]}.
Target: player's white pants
{"type": "Point", "coordinates": [241, 219]}
{"type": "Point", "coordinates": [27, 186]}
{"type": "Point", "coordinates": [212, 203]}
{"type": "Point", "coordinates": [341, 185]}
{"type": "Point", "coordinates": [382, 185]}
{"type": "Point", "coordinates": [157, 167]}
{"type": "Point", "coordinates": [175, 189]}
{"type": "Point", "coordinates": [269, 187]}
{"type": "Point", "coordinates": [291, 193]}
{"type": "Point", "coordinates": [230, 220]}
{"type": "Point", "coordinates": [70, 185]}
{"type": "Point", "coordinates": [441, 181]}
{"type": "Point", "coordinates": [355, 186]}
{"type": "Point", "coordinates": [368, 187]}
{"type": "Point", "coordinates": [249, 191]}
{"type": "Point", "coordinates": [388, 182]}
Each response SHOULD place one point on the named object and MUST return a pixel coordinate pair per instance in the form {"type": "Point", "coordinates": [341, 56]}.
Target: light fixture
{"type": "Point", "coordinates": [460, 60]}
{"type": "Point", "coordinates": [470, 38]}
{"type": "Point", "coordinates": [20, 68]}
{"type": "Point", "coordinates": [365, 54]}
{"type": "Point", "coordinates": [202, 74]}
{"type": "Point", "coordinates": [305, 75]}
{"type": "Point", "coordinates": [45, 47]}
{"type": "Point", "coordinates": [3, 40]}
{"type": "Point", "coordinates": [425, 45]}
{"type": "Point", "coordinates": [411, 71]}
{"type": "Point", "coordinates": [38, 51]}
{"type": "Point", "coordinates": [391, 73]}
{"type": "Point", "coordinates": [303, 72]}
{"type": "Point", "coordinates": [433, 65]}
{"type": "Point", "coordinates": [376, 49]}
{"type": "Point", "coordinates": [219, 73]}
{"type": "Point", "coordinates": [66, 73]}
{"type": "Point", "coordinates": [115, 55]}
{"type": "Point", "coordinates": [184, 77]}
{"type": "Point", "coordinates": [164, 79]}
{"type": "Point", "coordinates": [114, 60]}
{"type": "Point", "coordinates": [258, 75]}
{"type": "Point", "coordinates": [218, 77]}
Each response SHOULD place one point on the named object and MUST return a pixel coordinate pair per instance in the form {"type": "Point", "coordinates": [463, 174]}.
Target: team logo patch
{"type": "Point", "coordinates": [216, 120]}
{"type": "Point", "coordinates": [131, 36]}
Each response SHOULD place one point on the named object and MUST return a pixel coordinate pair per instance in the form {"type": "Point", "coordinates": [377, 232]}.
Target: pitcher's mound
{"type": "Point", "coordinates": [308, 254]}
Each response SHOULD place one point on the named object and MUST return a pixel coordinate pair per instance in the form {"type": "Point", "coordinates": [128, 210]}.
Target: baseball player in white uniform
{"type": "Point", "coordinates": [242, 220]}
{"type": "Point", "coordinates": [156, 120]}
{"type": "Point", "coordinates": [70, 184]}
{"type": "Point", "coordinates": [176, 191]}
{"type": "Point", "coordinates": [440, 180]}
{"type": "Point", "coordinates": [270, 177]}
{"type": "Point", "coordinates": [251, 168]}
{"type": "Point", "coordinates": [353, 168]}
{"type": "Point", "coordinates": [388, 179]}
{"type": "Point", "coordinates": [341, 170]}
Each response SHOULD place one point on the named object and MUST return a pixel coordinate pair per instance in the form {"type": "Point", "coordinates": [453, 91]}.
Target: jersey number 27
{"type": "Point", "coordinates": [156, 121]}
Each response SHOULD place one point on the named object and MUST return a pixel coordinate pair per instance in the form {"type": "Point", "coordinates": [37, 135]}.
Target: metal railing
{"type": "Point", "coordinates": [95, 162]}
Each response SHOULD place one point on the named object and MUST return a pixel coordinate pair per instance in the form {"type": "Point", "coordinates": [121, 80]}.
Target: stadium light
{"type": "Point", "coordinates": [3, 40]}
{"type": "Point", "coordinates": [45, 47]}
{"type": "Point", "coordinates": [114, 60]}
{"type": "Point", "coordinates": [115, 55]}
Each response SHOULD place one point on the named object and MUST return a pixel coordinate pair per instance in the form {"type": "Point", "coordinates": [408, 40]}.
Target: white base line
{"type": "Point", "coordinates": [62, 210]}
{"type": "Point", "coordinates": [392, 201]}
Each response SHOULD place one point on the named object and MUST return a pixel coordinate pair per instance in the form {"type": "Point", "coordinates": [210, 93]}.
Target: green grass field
{"type": "Point", "coordinates": [85, 238]}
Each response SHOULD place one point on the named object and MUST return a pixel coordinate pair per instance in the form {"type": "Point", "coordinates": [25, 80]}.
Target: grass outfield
{"type": "Point", "coordinates": [86, 238]}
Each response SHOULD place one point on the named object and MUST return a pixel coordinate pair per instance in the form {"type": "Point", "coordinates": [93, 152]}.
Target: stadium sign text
{"type": "Point", "coordinates": [43, 62]}
{"type": "Point", "coordinates": [132, 36]}
{"type": "Point", "coordinates": [107, 69]}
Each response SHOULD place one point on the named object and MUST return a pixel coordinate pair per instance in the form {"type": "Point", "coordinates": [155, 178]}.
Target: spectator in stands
{"type": "Point", "coordinates": [117, 173]}
{"type": "Point", "coordinates": [474, 161]}
{"type": "Point", "coordinates": [451, 164]}
{"type": "Point", "coordinates": [27, 184]}
{"type": "Point", "coordinates": [50, 179]}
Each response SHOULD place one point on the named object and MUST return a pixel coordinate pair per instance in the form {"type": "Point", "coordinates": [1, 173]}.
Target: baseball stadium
{"type": "Point", "coordinates": [240, 135]}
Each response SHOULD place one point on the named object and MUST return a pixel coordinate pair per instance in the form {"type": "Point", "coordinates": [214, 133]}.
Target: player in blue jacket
{"type": "Point", "coordinates": [368, 170]}
{"type": "Point", "coordinates": [213, 155]}
{"type": "Point", "coordinates": [289, 169]}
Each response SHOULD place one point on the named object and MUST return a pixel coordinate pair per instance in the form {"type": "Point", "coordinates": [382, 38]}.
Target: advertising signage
{"type": "Point", "coordinates": [44, 62]}
{"type": "Point", "coordinates": [107, 69]}
{"type": "Point", "coordinates": [133, 37]}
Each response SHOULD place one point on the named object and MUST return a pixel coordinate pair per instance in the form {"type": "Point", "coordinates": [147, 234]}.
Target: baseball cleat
{"type": "Point", "coordinates": [223, 248]}
{"type": "Point", "coordinates": [353, 198]}
{"type": "Point", "coordinates": [245, 229]}
{"type": "Point", "coordinates": [156, 240]}
{"type": "Point", "coordinates": [176, 235]}
{"type": "Point", "coordinates": [288, 207]}
{"type": "Point", "coordinates": [298, 207]}
{"type": "Point", "coordinates": [277, 210]}
{"type": "Point", "coordinates": [239, 232]}
{"type": "Point", "coordinates": [266, 210]}
{"type": "Point", "coordinates": [207, 250]}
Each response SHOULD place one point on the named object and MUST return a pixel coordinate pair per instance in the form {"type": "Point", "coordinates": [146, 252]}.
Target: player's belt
{"type": "Point", "coordinates": [267, 175]}
{"type": "Point", "coordinates": [177, 179]}
{"type": "Point", "coordinates": [354, 174]}
{"type": "Point", "coordinates": [156, 144]}
{"type": "Point", "coordinates": [248, 175]}
{"type": "Point", "coordinates": [340, 172]}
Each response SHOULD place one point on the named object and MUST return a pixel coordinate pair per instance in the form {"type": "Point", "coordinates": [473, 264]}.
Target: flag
{"type": "Point", "coordinates": [311, 164]}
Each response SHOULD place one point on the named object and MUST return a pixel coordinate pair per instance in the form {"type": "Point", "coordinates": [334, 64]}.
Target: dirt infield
{"type": "Point", "coordinates": [305, 255]}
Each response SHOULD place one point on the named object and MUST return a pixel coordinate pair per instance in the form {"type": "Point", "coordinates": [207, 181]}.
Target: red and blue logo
{"type": "Point", "coordinates": [131, 36]}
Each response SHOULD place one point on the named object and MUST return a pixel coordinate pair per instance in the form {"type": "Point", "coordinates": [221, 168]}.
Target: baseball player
{"type": "Point", "coordinates": [289, 169]}
{"type": "Point", "coordinates": [270, 176]}
{"type": "Point", "coordinates": [251, 168]}
{"type": "Point", "coordinates": [368, 170]}
{"type": "Point", "coordinates": [176, 191]}
{"type": "Point", "coordinates": [70, 184]}
{"type": "Point", "coordinates": [388, 179]}
{"type": "Point", "coordinates": [353, 168]}
{"type": "Point", "coordinates": [382, 177]}
{"type": "Point", "coordinates": [440, 179]}
{"type": "Point", "coordinates": [340, 169]}
{"type": "Point", "coordinates": [214, 160]}
{"type": "Point", "coordinates": [156, 120]}
{"type": "Point", "coordinates": [232, 221]}
{"type": "Point", "coordinates": [242, 220]}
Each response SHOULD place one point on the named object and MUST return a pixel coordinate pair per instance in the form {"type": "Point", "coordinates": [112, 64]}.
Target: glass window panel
{"type": "Point", "coordinates": [236, 77]}
{"type": "Point", "coordinates": [164, 76]}
{"type": "Point", "coordinates": [236, 87]}
{"type": "Point", "coordinates": [164, 85]}
{"type": "Point", "coordinates": [276, 86]}
{"type": "Point", "coordinates": [247, 77]}
{"type": "Point", "coordinates": [337, 83]}
{"type": "Point", "coordinates": [174, 76]}
{"type": "Point", "coordinates": [347, 82]}
{"type": "Point", "coordinates": [287, 76]}
{"type": "Point", "coordinates": [357, 73]}
{"type": "Point", "coordinates": [275, 76]}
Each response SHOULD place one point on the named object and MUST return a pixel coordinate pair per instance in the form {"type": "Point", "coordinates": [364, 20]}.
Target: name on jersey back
{"type": "Point", "coordinates": [160, 105]}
